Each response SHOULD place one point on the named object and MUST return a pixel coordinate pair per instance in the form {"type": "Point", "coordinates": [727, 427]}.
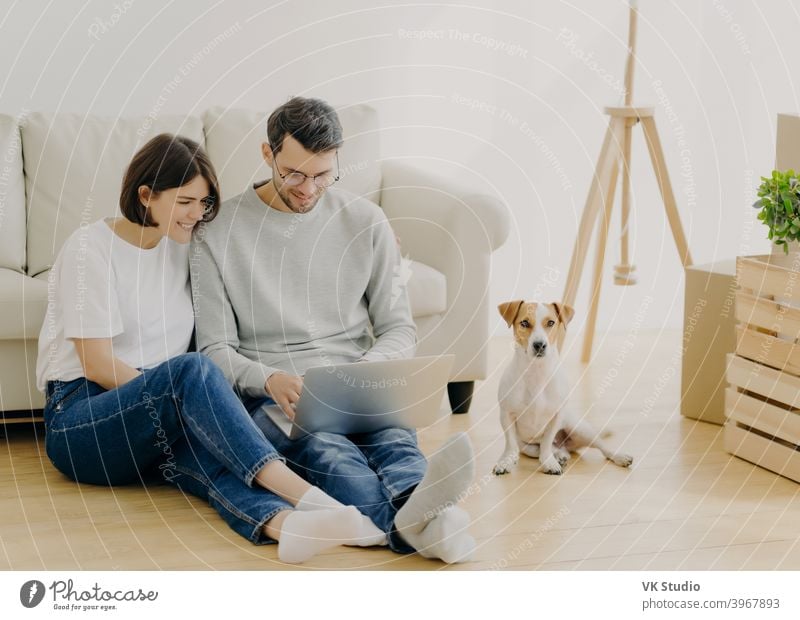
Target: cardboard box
{"type": "Point", "coordinates": [709, 335]}
{"type": "Point", "coordinates": [787, 149]}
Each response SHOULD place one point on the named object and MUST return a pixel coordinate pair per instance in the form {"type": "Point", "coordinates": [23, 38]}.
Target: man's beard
{"type": "Point", "coordinates": [288, 200]}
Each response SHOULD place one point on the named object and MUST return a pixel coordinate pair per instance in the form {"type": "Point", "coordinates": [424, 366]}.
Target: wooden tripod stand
{"type": "Point", "coordinates": [615, 155]}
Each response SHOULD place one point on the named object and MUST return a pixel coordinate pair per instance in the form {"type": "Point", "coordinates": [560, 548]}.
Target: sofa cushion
{"type": "Point", "coordinates": [427, 288]}
{"type": "Point", "coordinates": [234, 138]}
{"type": "Point", "coordinates": [73, 172]}
{"type": "Point", "coordinates": [23, 301]}
{"type": "Point", "coordinates": [12, 196]}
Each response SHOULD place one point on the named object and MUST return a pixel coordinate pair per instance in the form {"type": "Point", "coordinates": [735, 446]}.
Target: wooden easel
{"type": "Point", "coordinates": [615, 154]}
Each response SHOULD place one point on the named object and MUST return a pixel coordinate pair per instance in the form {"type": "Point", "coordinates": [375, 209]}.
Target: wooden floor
{"type": "Point", "coordinates": [685, 504]}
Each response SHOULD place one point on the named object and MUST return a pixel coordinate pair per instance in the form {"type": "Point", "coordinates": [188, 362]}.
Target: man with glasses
{"type": "Point", "coordinates": [295, 273]}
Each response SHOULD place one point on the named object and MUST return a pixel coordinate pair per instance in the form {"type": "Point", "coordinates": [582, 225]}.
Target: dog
{"type": "Point", "coordinates": [533, 393]}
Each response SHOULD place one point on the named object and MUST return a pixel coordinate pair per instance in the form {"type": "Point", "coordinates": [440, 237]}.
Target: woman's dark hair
{"type": "Point", "coordinates": [166, 162]}
{"type": "Point", "coordinates": [312, 122]}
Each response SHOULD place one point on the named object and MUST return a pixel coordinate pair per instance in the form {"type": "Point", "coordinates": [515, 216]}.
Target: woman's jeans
{"type": "Point", "coordinates": [180, 421]}
{"type": "Point", "coordinates": [376, 472]}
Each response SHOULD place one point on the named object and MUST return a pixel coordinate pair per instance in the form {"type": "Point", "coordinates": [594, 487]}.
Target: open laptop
{"type": "Point", "coordinates": [368, 396]}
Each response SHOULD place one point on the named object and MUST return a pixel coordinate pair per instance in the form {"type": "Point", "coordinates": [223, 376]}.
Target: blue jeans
{"type": "Point", "coordinates": [180, 422]}
{"type": "Point", "coordinates": [376, 472]}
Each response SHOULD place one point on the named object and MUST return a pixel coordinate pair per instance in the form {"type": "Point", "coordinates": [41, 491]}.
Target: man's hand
{"type": "Point", "coordinates": [285, 390]}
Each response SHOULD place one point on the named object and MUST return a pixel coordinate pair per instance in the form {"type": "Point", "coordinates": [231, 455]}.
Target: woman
{"type": "Point", "coordinates": [124, 398]}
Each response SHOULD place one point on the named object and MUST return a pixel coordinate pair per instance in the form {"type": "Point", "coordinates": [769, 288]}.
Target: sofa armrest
{"type": "Point", "coordinates": [409, 192]}
{"type": "Point", "coordinates": [455, 232]}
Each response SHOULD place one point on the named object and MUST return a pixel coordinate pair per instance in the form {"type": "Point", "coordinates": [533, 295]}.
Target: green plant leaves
{"type": "Point", "coordinates": [779, 207]}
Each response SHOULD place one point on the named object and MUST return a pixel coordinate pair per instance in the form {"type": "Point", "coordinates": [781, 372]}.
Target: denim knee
{"type": "Point", "coordinates": [193, 369]}
{"type": "Point", "coordinates": [330, 451]}
{"type": "Point", "coordinates": [391, 435]}
{"type": "Point", "coordinates": [193, 364]}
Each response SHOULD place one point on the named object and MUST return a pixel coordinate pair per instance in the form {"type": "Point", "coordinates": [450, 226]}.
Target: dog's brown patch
{"type": "Point", "coordinates": [563, 315]}
{"type": "Point", "coordinates": [509, 310]}
{"type": "Point", "coordinates": [521, 317]}
{"type": "Point", "coordinates": [563, 312]}
{"type": "Point", "coordinates": [525, 323]}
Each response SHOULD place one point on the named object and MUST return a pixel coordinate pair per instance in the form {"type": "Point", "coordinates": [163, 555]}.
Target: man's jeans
{"type": "Point", "coordinates": [376, 472]}
{"type": "Point", "coordinates": [180, 421]}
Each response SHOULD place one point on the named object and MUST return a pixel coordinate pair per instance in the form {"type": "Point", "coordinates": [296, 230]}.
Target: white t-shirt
{"type": "Point", "coordinates": [101, 286]}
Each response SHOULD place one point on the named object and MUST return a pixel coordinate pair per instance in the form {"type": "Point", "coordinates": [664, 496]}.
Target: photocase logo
{"type": "Point", "coordinates": [31, 593]}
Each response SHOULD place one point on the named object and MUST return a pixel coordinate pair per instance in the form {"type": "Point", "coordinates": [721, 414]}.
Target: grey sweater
{"type": "Point", "coordinates": [285, 291]}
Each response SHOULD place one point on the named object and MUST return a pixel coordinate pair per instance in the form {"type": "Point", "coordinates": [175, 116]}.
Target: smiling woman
{"type": "Point", "coordinates": [170, 186]}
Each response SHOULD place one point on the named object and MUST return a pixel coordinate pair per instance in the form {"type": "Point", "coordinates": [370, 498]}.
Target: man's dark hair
{"type": "Point", "coordinates": [165, 162]}
{"type": "Point", "coordinates": [312, 122]}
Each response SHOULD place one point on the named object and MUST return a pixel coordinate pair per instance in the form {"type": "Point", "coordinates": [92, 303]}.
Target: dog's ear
{"type": "Point", "coordinates": [509, 310]}
{"type": "Point", "coordinates": [564, 312]}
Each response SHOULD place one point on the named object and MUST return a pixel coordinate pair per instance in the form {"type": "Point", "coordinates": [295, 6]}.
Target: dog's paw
{"type": "Point", "coordinates": [551, 466]}
{"type": "Point", "coordinates": [501, 469]}
{"type": "Point", "coordinates": [505, 465]}
{"type": "Point", "coordinates": [623, 460]}
{"type": "Point", "coordinates": [562, 456]}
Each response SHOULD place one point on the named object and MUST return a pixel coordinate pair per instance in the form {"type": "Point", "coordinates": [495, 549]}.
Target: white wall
{"type": "Point", "coordinates": [524, 120]}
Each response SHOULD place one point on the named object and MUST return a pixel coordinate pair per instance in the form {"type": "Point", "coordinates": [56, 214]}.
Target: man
{"type": "Point", "coordinates": [295, 273]}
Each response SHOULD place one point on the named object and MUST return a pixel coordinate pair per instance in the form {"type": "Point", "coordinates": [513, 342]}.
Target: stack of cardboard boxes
{"type": "Point", "coordinates": [741, 325]}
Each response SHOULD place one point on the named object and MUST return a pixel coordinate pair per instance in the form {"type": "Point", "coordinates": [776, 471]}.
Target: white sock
{"type": "Point", "coordinates": [450, 472]}
{"type": "Point", "coordinates": [317, 499]}
{"type": "Point", "coordinates": [304, 534]}
{"type": "Point", "coordinates": [445, 537]}
{"type": "Point", "coordinates": [370, 535]}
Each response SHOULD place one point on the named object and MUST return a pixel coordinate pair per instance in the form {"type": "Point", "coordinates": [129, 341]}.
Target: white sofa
{"type": "Point", "coordinates": [59, 172]}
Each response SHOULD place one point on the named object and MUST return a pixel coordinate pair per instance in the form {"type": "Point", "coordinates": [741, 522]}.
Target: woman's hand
{"type": "Point", "coordinates": [100, 365]}
{"type": "Point", "coordinates": [285, 390]}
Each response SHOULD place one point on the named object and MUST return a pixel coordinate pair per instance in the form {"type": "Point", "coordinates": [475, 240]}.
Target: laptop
{"type": "Point", "coordinates": [368, 396]}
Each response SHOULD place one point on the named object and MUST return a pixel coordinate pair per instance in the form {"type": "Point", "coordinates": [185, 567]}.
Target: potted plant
{"type": "Point", "coordinates": [779, 204]}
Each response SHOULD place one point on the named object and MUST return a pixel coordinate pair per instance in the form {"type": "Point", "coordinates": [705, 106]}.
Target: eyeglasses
{"type": "Point", "coordinates": [293, 179]}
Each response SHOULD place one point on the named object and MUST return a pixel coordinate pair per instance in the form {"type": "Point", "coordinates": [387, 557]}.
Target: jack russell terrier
{"type": "Point", "coordinates": [533, 393]}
